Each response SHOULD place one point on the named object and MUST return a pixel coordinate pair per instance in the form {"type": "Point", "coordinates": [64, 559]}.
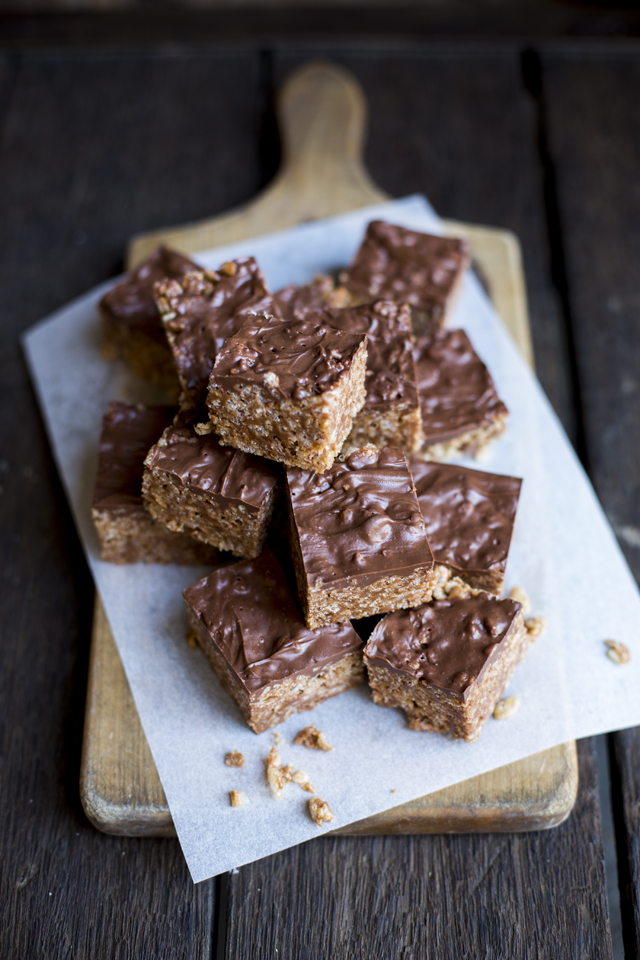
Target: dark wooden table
{"type": "Point", "coordinates": [99, 143]}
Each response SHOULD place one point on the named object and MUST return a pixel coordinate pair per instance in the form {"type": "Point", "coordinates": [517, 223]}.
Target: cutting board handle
{"type": "Point", "coordinates": [322, 118]}
{"type": "Point", "coordinates": [322, 114]}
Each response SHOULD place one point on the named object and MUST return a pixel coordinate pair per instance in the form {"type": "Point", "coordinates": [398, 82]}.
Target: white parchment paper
{"type": "Point", "coordinates": [564, 553]}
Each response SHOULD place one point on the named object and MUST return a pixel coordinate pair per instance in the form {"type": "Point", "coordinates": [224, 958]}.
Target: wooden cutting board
{"type": "Point", "coordinates": [322, 117]}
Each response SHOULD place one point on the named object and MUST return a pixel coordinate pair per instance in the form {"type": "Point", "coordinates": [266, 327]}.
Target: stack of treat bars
{"type": "Point", "coordinates": [307, 439]}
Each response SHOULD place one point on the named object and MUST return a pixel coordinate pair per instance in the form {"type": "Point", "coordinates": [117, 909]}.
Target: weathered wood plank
{"type": "Point", "coordinates": [93, 149]}
{"type": "Point", "coordinates": [595, 137]}
{"type": "Point", "coordinates": [430, 898]}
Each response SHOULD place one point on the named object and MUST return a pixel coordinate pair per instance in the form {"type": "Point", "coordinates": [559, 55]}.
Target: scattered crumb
{"type": "Point", "coordinates": [535, 626]}
{"type": "Point", "coordinates": [617, 651]}
{"type": "Point", "coordinates": [234, 759]}
{"type": "Point", "coordinates": [275, 776]}
{"type": "Point", "coordinates": [506, 708]}
{"type": "Point", "coordinates": [315, 739]}
{"type": "Point", "coordinates": [483, 453]}
{"type": "Point", "coordinates": [320, 811]}
{"type": "Point", "coordinates": [393, 790]}
{"type": "Point", "coordinates": [457, 589]}
{"type": "Point", "coordinates": [238, 798]}
{"type": "Point", "coordinates": [203, 428]}
{"type": "Point", "coordinates": [192, 639]}
{"type": "Point", "coordinates": [277, 738]}
{"type": "Point", "coordinates": [301, 778]}
{"type": "Point", "coordinates": [522, 597]}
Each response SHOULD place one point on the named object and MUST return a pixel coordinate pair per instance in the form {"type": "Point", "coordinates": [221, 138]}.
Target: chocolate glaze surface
{"type": "Point", "coordinates": [132, 300]}
{"type": "Point", "coordinates": [446, 643]}
{"type": "Point", "coordinates": [294, 358]}
{"type": "Point", "coordinates": [394, 263]}
{"type": "Point", "coordinates": [456, 391]}
{"type": "Point", "coordinates": [294, 300]}
{"type": "Point", "coordinates": [469, 514]}
{"type": "Point", "coordinates": [202, 463]}
{"type": "Point", "coordinates": [254, 620]}
{"type": "Point", "coordinates": [202, 310]}
{"type": "Point", "coordinates": [358, 521]}
{"type": "Point", "coordinates": [391, 373]}
{"type": "Point", "coordinates": [128, 431]}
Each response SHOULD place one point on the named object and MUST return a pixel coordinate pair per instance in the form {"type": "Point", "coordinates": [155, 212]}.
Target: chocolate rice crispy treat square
{"type": "Point", "coordinates": [288, 389]}
{"type": "Point", "coordinates": [394, 263]}
{"type": "Point", "coordinates": [358, 538]}
{"type": "Point", "coordinates": [127, 532]}
{"type": "Point", "coordinates": [250, 627]}
{"type": "Point", "coordinates": [469, 516]}
{"type": "Point", "coordinates": [447, 663]}
{"type": "Point", "coordinates": [200, 311]}
{"type": "Point", "coordinates": [131, 326]}
{"type": "Point", "coordinates": [217, 494]}
{"type": "Point", "coordinates": [461, 410]}
{"type": "Point", "coordinates": [390, 416]}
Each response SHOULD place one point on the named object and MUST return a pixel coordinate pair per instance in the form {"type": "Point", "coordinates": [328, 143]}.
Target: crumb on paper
{"type": "Point", "coordinates": [506, 708]}
{"type": "Point", "coordinates": [238, 798]}
{"type": "Point", "coordinates": [522, 597]}
{"type": "Point", "coordinates": [275, 774]}
{"type": "Point", "coordinates": [393, 790]}
{"type": "Point", "coordinates": [617, 651]}
{"type": "Point", "coordinates": [534, 627]}
{"type": "Point", "coordinates": [301, 778]}
{"type": "Point", "coordinates": [320, 811]}
{"type": "Point", "coordinates": [313, 738]}
{"type": "Point", "coordinates": [192, 639]}
{"type": "Point", "coordinates": [277, 738]}
{"type": "Point", "coordinates": [234, 759]}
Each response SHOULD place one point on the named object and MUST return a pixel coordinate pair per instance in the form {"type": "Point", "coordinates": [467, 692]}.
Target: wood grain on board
{"type": "Point", "coordinates": [322, 116]}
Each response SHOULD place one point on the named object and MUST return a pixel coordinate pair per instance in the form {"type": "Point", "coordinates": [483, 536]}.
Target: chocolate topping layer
{"type": "Point", "coordinates": [359, 520]}
{"type": "Point", "coordinates": [391, 372]}
{"type": "Point", "coordinates": [294, 300]}
{"type": "Point", "coordinates": [394, 263]}
{"type": "Point", "coordinates": [456, 391]}
{"type": "Point", "coordinates": [202, 463]}
{"type": "Point", "coordinates": [469, 514]}
{"type": "Point", "coordinates": [132, 300]}
{"type": "Point", "coordinates": [128, 431]}
{"type": "Point", "coordinates": [202, 310]}
{"type": "Point", "coordinates": [254, 620]}
{"type": "Point", "coordinates": [446, 643]}
{"type": "Point", "coordinates": [296, 358]}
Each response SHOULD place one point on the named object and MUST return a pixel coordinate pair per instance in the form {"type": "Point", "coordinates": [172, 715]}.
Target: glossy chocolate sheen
{"type": "Point", "coordinates": [132, 300]}
{"type": "Point", "coordinates": [456, 391]}
{"type": "Point", "coordinates": [359, 521]}
{"type": "Point", "coordinates": [446, 643]}
{"type": "Point", "coordinates": [469, 514]}
{"type": "Point", "coordinates": [293, 300]}
{"type": "Point", "coordinates": [128, 432]}
{"type": "Point", "coordinates": [202, 463]}
{"type": "Point", "coordinates": [293, 358]}
{"type": "Point", "coordinates": [206, 308]}
{"type": "Point", "coordinates": [391, 371]}
{"type": "Point", "coordinates": [255, 622]}
{"type": "Point", "coordinates": [394, 263]}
